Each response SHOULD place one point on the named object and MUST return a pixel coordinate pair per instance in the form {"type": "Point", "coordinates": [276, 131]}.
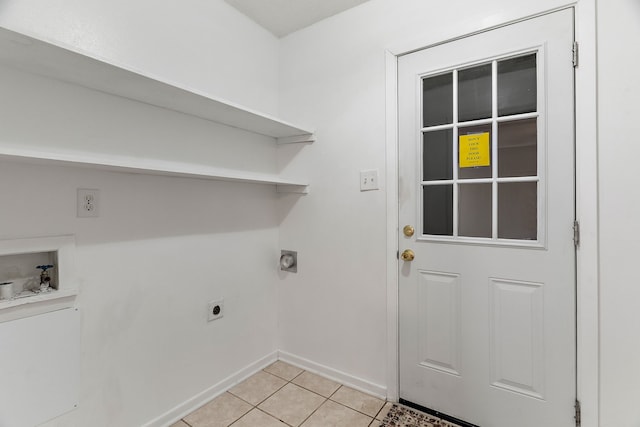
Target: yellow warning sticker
{"type": "Point", "coordinates": [474, 150]}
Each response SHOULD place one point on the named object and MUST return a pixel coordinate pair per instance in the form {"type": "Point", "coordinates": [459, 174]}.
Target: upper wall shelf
{"type": "Point", "coordinates": [64, 63]}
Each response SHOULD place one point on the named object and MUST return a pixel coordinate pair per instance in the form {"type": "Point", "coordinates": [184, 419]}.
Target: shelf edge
{"type": "Point", "coordinates": [297, 139]}
{"type": "Point", "coordinates": [35, 305]}
{"type": "Point", "coordinates": [297, 189]}
{"type": "Point", "coordinates": [144, 166]}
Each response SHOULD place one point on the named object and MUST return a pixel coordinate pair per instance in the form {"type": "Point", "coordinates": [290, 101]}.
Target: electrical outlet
{"type": "Point", "coordinates": [215, 310]}
{"type": "Point", "coordinates": [369, 180]}
{"type": "Point", "coordinates": [88, 203]}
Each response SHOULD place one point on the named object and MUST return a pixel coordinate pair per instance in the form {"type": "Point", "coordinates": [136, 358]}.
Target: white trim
{"type": "Point", "coordinates": [200, 399]}
{"type": "Point", "coordinates": [587, 196]}
{"type": "Point", "coordinates": [494, 150]}
{"type": "Point", "coordinates": [393, 379]}
{"type": "Point", "coordinates": [406, 48]}
{"type": "Point", "coordinates": [588, 334]}
{"type": "Point", "coordinates": [349, 380]}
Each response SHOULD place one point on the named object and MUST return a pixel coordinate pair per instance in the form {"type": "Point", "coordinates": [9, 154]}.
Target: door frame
{"type": "Point", "coordinates": [586, 157]}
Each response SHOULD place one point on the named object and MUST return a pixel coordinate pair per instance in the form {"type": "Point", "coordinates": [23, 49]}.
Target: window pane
{"type": "Point", "coordinates": [438, 155]}
{"type": "Point", "coordinates": [437, 100]}
{"type": "Point", "coordinates": [517, 87]}
{"type": "Point", "coordinates": [474, 93]}
{"type": "Point", "coordinates": [474, 210]}
{"type": "Point", "coordinates": [438, 210]}
{"type": "Point", "coordinates": [466, 170]}
{"type": "Point", "coordinates": [518, 148]}
{"type": "Point", "coordinates": [518, 210]}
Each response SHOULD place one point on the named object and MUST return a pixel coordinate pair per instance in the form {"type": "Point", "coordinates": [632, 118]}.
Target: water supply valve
{"type": "Point", "coordinates": [289, 261]}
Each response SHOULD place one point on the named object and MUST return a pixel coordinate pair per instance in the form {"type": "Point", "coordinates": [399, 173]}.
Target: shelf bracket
{"type": "Point", "coordinates": [298, 189]}
{"type": "Point", "coordinates": [308, 138]}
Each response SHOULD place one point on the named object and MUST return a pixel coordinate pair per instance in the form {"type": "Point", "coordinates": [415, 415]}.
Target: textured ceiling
{"type": "Point", "coordinates": [282, 17]}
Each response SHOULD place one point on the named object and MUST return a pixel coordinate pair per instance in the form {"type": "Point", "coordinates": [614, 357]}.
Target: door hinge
{"type": "Point", "coordinates": [576, 233]}
{"type": "Point", "coordinates": [574, 52]}
{"type": "Point", "coordinates": [577, 415]}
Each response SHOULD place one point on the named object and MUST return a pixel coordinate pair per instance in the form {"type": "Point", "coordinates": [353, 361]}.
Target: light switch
{"type": "Point", "coordinates": [369, 180]}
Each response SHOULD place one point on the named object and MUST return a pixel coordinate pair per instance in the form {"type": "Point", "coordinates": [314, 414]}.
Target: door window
{"type": "Point", "coordinates": [481, 157]}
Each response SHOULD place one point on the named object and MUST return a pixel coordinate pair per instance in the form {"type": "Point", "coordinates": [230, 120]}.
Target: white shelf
{"type": "Point", "coordinates": [147, 166]}
{"type": "Point", "coordinates": [45, 297]}
{"type": "Point", "coordinates": [64, 63]}
{"type": "Point", "coordinates": [52, 60]}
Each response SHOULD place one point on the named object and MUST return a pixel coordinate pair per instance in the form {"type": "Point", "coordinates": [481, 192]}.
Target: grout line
{"type": "Point", "coordinates": [314, 411]}
{"type": "Point", "coordinates": [354, 409]}
{"type": "Point", "coordinates": [332, 394]}
{"type": "Point", "coordinates": [286, 379]}
{"type": "Point", "coordinates": [385, 404]}
{"type": "Point", "coordinates": [269, 415]}
{"type": "Point", "coordinates": [312, 391]}
{"type": "Point", "coordinates": [283, 386]}
{"type": "Point", "coordinates": [243, 415]}
{"type": "Point", "coordinates": [303, 371]}
{"type": "Point", "coordinates": [259, 403]}
{"type": "Point", "coordinates": [275, 418]}
{"type": "Point", "coordinates": [238, 397]}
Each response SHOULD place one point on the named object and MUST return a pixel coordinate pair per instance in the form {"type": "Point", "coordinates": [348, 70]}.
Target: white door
{"type": "Point", "coordinates": [486, 161]}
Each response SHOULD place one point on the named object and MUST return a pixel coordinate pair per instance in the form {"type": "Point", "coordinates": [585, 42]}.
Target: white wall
{"type": "Point", "coordinates": [162, 247]}
{"type": "Point", "coordinates": [340, 292]}
{"type": "Point", "coordinates": [205, 44]}
{"type": "Point", "coordinates": [333, 75]}
{"type": "Point", "coordinates": [618, 92]}
{"type": "Point", "coordinates": [160, 250]}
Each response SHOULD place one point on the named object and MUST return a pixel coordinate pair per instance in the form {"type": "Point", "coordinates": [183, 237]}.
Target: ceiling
{"type": "Point", "coordinates": [282, 17]}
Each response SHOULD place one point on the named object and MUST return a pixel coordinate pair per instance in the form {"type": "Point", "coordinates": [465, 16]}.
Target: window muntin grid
{"type": "Point", "coordinates": [457, 203]}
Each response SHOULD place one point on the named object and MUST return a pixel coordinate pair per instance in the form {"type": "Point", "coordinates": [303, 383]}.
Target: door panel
{"type": "Point", "coordinates": [439, 322]}
{"type": "Point", "coordinates": [486, 160]}
{"type": "Point", "coordinates": [516, 336]}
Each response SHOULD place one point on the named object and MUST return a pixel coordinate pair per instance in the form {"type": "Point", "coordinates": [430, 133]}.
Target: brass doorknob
{"type": "Point", "coordinates": [408, 230]}
{"type": "Point", "coordinates": [408, 255]}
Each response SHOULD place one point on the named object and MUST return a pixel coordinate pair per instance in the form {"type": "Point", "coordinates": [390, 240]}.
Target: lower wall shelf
{"type": "Point", "coordinates": [116, 163]}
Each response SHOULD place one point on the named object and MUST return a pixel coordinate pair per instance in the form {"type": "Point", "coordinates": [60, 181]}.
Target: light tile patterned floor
{"type": "Point", "coordinates": [282, 395]}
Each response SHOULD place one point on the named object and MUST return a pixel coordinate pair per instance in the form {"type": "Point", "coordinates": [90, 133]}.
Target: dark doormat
{"type": "Point", "coordinates": [401, 416]}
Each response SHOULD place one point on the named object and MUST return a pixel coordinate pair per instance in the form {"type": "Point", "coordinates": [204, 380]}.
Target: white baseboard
{"type": "Point", "coordinates": [335, 375]}
{"type": "Point", "coordinates": [214, 391]}
{"type": "Point", "coordinates": [211, 393]}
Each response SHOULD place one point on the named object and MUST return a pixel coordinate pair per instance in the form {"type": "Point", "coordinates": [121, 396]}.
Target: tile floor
{"type": "Point", "coordinates": [282, 395]}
